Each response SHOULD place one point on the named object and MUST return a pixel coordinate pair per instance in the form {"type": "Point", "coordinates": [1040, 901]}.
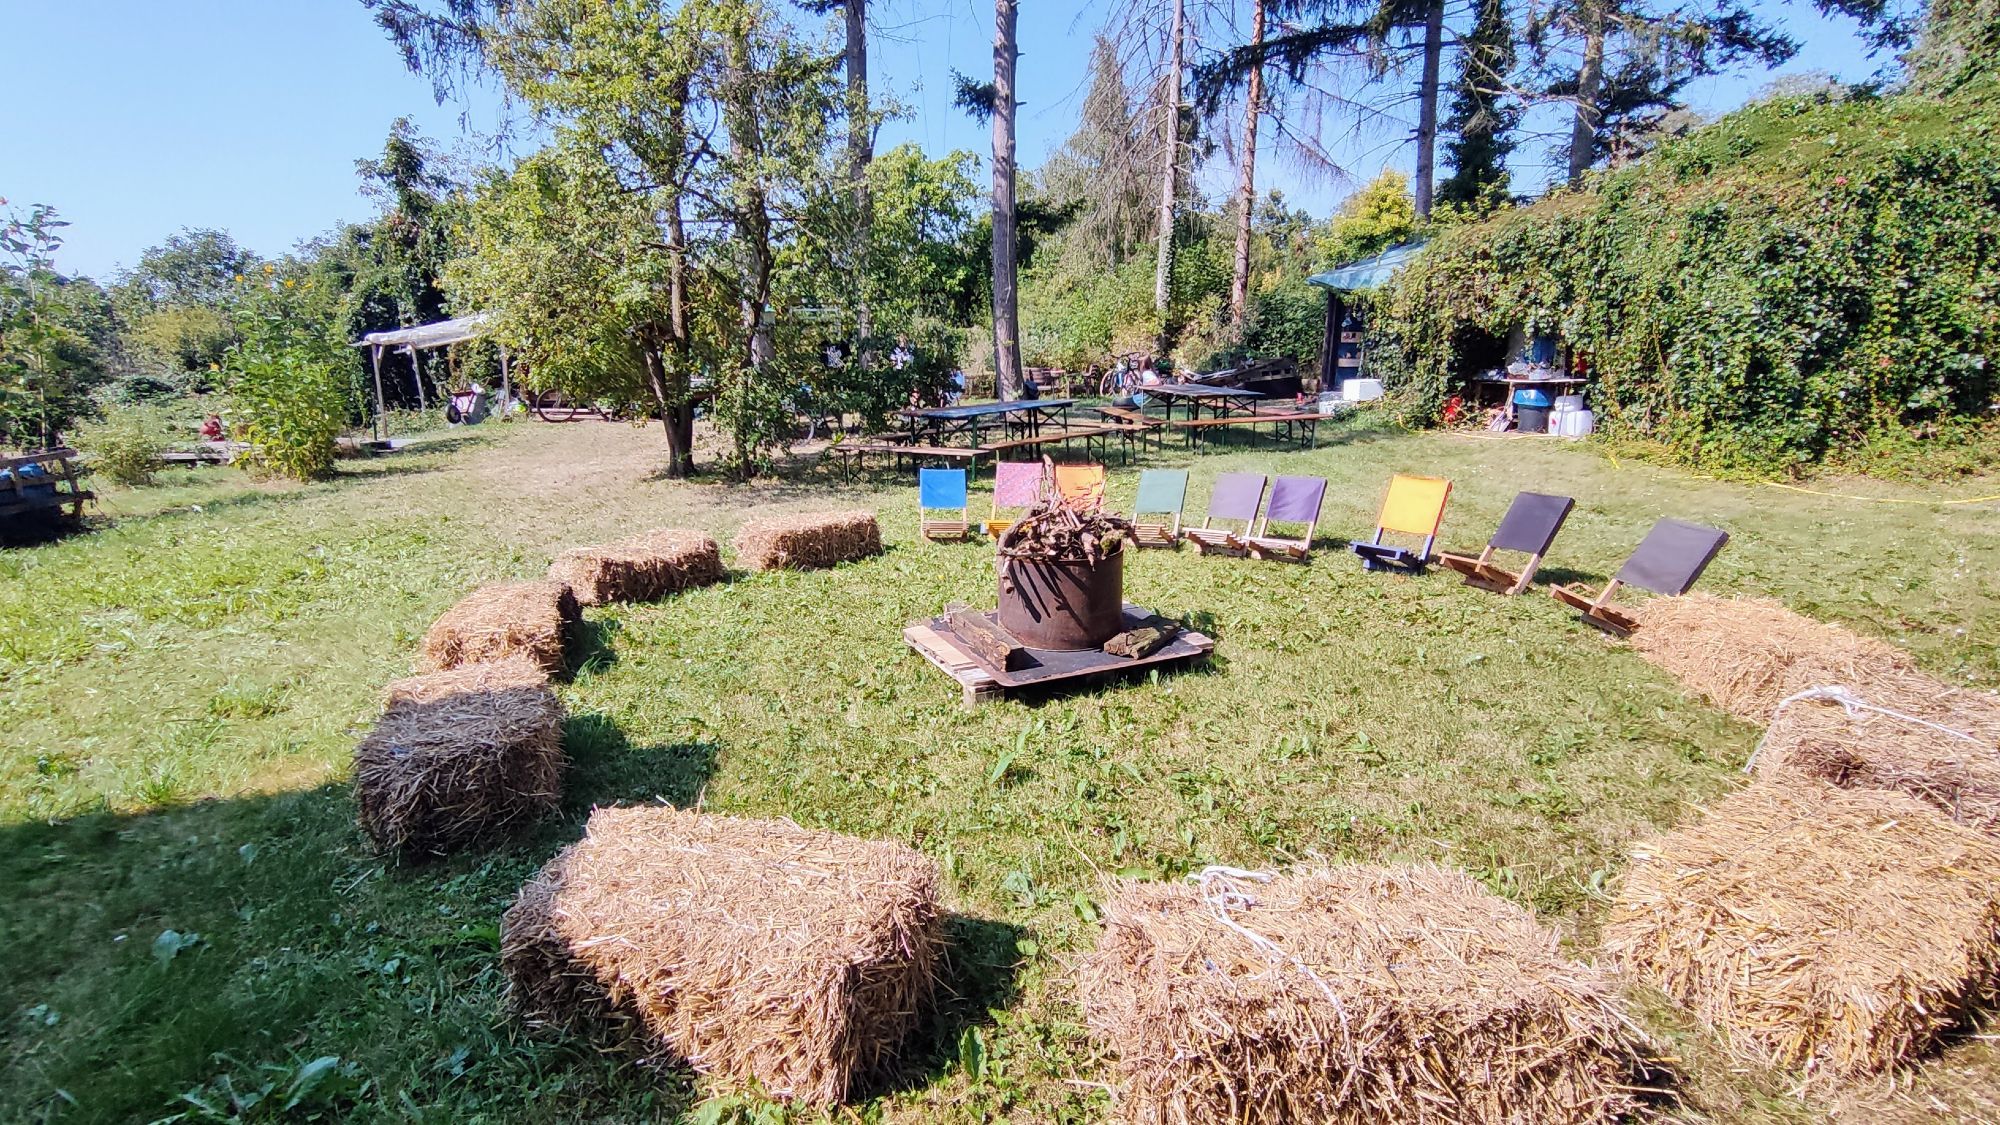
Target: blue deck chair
{"type": "Point", "coordinates": [1669, 561]}
{"type": "Point", "coordinates": [943, 490]}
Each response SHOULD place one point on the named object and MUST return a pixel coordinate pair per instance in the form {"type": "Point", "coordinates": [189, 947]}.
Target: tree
{"type": "Point", "coordinates": [860, 131]}
{"type": "Point", "coordinates": [1370, 221]}
{"type": "Point", "coordinates": [1622, 65]}
{"type": "Point", "coordinates": [194, 266]}
{"type": "Point", "coordinates": [1483, 115]}
{"type": "Point", "coordinates": [1246, 185]}
{"type": "Point", "coordinates": [1101, 170]}
{"type": "Point", "coordinates": [49, 362]}
{"type": "Point", "coordinates": [1006, 279]}
{"type": "Point", "coordinates": [1171, 112]}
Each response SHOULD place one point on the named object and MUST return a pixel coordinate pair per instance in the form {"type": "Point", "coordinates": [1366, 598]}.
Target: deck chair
{"type": "Point", "coordinates": [1235, 499]}
{"type": "Point", "coordinates": [1162, 492]}
{"type": "Point", "coordinates": [1293, 500]}
{"type": "Point", "coordinates": [1084, 481]}
{"type": "Point", "coordinates": [1669, 561]}
{"type": "Point", "coordinates": [943, 490]}
{"type": "Point", "coordinates": [1530, 525]}
{"type": "Point", "coordinates": [1016, 487]}
{"type": "Point", "coordinates": [1414, 506]}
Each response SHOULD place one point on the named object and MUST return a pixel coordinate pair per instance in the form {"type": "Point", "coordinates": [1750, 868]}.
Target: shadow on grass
{"type": "Point", "coordinates": [1563, 576]}
{"type": "Point", "coordinates": [607, 769]}
{"type": "Point", "coordinates": [590, 649]}
{"type": "Point", "coordinates": [976, 979]}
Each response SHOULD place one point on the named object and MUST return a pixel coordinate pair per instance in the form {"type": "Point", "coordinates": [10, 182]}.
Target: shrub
{"type": "Point", "coordinates": [126, 447]}
{"type": "Point", "coordinates": [289, 408]}
{"type": "Point", "coordinates": [1789, 283]}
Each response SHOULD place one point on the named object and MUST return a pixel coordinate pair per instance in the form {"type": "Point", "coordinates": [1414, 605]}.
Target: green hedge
{"type": "Point", "coordinates": [1801, 277]}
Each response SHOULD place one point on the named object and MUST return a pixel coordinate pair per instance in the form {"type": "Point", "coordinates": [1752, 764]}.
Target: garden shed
{"type": "Point", "coordinates": [1340, 353]}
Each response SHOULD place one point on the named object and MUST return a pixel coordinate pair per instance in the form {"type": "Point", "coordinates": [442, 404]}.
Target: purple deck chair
{"type": "Point", "coordinates": [1235, 499]}
{"type": "Point", "coordinates": [1669, 561]}
{"type": "Point", "coordinates": [1294, 500]}
{"type": "Point", "coordinates": [1530, 526]}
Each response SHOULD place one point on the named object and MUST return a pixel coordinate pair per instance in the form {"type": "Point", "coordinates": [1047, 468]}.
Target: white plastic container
{"type": "Point", "coordinates": [1573, 423]}
{"type": "Point", "coordinates": [1361, 390]}
{"type": "Point", "coordinates": [1569, 402]}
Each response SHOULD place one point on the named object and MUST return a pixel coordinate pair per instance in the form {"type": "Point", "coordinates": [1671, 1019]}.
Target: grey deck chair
{"type": "Point", "coordinates": [1530, 525]}
{"type": "Point", "coordinates": [1669, 561]}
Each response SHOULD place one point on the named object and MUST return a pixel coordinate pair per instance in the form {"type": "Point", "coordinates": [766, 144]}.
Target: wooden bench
{"type": "Point", "coordinates": [42, 493]}
{"type": "Point", "coordinates": [1057, 437]}
{"type": "Point", "coordinates": [1308, 421]}
{"type": "Point", "coordinates": [853, 454]}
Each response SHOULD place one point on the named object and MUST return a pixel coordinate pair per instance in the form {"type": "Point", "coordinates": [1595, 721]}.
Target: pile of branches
{"type": "Point", "coordinates": [1066, 529]}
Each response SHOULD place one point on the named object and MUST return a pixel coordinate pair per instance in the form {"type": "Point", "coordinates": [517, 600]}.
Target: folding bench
{"type": "Point", "coordinates": [1415, 507]}
{"type": "Point", "coordinates": [1293, 500]}
{"type": "Point", "coordinates": [1016, 487]}
{"type": "Point", "coordinates": [943, 490]}
{"type": "Point", "coordinates": [1162, 492]}
{"type": "Point", "coordinates": [1530, 525]}
{"type": "Point", "coordinates": [1235, 499]}
{"type": "Point", "coordinates": [1669, 561]}
{"type": "Point", "coordinates": [1085, 481]}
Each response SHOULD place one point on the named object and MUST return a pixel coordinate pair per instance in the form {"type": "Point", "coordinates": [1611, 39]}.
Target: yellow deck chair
{"type": "Point", "coordinates": [1415, 507]}
{"type": "Point", "coordinates": [1085, 482]}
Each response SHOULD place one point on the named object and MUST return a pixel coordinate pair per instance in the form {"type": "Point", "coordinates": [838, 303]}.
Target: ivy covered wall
{"type": "Point", "coordinates": [1796, 278]}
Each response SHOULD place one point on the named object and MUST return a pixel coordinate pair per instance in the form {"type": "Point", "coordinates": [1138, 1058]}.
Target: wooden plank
{"type": "Point", "coordinates": [984, 638]}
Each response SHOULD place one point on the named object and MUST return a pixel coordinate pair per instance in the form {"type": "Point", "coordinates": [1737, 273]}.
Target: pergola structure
{"type": "Point", "coordinates": [423, 337]}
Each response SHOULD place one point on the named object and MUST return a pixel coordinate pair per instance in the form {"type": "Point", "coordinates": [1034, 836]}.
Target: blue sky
{"type": "Point", "coordinates": [136, 118]}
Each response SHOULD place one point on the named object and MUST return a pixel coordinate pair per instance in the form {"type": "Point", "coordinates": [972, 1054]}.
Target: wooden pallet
{"type": "Point", "coordinates": [979, 684]}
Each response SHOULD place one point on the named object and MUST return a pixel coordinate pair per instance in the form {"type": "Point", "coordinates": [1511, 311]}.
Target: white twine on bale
{"type": "Point", "coordinates": [1853, 705]}
{"type": "Point", "coordinates": [1220, 896]}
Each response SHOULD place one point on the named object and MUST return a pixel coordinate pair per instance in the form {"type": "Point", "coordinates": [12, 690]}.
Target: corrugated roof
{"type": "Point", "coordinates": [434, 335]}
{"type": "Point", "coordinates": [1368, 272]}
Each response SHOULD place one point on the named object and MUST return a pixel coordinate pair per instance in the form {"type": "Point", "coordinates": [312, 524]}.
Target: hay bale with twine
{"type": "Point", "coordinates": [755, 950]}
{"type": "Point", "coordinates": [459, 756]}
{"type": "Point", "coordinates": [1837, 932]}
{"type": "Point", "coordinates": [808, 541]}
{"type": "Point", "coordinates": [1350, 994]}
{"type": "Point", "coordinates": [643, 568]}
{"type": "Point", "coordinates": [503, 619]}
{"type": "Point", "coordinates": [1952, 765]}
{"type": "Point", "coordinates": [511, 673]}
{"type": "Point", "coordinates": [1748, 655]}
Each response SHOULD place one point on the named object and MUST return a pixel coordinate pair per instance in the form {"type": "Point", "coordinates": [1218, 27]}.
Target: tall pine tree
{"type": "Point", "coordinates": [1483, 117]}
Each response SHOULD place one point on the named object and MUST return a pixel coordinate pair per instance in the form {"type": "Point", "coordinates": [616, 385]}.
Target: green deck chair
{"type": "Point", "coordinates": [1162, 492]}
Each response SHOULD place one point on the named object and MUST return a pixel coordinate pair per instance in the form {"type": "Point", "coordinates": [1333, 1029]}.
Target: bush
{"type": "Point", "coordinates": [289, 408]}
{"type": "Point", "coordinates": [126, 447]}
{"type": "Point", "coordinates": [1794, 281]}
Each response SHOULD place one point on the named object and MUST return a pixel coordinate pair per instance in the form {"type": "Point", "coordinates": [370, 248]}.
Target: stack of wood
{"type": "Point", "coordinates": [1065, 529]}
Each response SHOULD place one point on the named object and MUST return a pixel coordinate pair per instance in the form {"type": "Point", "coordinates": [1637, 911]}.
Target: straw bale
{"type": "Point", "coordinates": [499, 620]}
{"type": "Point", "coordinates": [442, 769]}
{"type": "Point", "coordinates": [808, 540]}
{"type": "Point", "coordinates": [1746, 655]}
{"type": "Point", "coordinates": [751, 949]}
{"type": "Point", "coordinates": [1868, 750]}
{"type": "Point", "coordinates": [643, 568]}
{"type": "Point", "coordinates": [1367, 994]}
{"type": "Point", "coordinates": [1835, 931]}
{"type": "Point", "coordinates": [512, 672]}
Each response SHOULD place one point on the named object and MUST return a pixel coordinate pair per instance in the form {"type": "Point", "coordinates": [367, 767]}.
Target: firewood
{"type": "Point", "coordinates": [984, 638]}
{"type": "Point", "coordinates": [1146, 640]}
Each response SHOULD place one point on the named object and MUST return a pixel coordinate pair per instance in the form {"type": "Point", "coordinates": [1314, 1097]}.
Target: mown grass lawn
{"type": "Point", "coordinates": [191, 916]}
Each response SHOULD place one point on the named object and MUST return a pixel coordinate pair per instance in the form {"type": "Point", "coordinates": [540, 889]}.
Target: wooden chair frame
{"type": "Point", "coordinates": [1485, 574]}
{"type": "Point", "coordinates": [1661, 564]}
{"type": "Point", "coordinates": [1213, 540]}
{"type": "Point", "coordinates": [1278, 548]}
{"type": "Point", "coordinates": [1158, 534]}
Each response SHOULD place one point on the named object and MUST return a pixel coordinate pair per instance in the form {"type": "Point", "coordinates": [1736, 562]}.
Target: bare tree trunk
{"type": "Point", "coordinates": [1006, 315]}
{"type": "Point", "coordinates": [1583, 131]}
{"type": "Point", "coordinates": [1170, 139]}
{"type": "Point", "coordinates": [860, 153]}
{"type": "Point", "coordinates": [1427, 109]}
{"type": "Point", "coordinates": [1246, 187]}
{"type": "Point", "coordinates": [751, 201]}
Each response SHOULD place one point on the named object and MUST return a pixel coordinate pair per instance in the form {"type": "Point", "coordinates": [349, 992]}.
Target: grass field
{"type": "Point", "coordinates": [194, 926]}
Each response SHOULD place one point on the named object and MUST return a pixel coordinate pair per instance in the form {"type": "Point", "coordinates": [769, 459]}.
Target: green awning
{"type": "Point", "coordinates": [1368, 272]}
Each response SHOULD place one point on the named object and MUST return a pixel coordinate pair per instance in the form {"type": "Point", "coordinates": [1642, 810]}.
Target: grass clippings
{"type": "Point", "coordinates": [755, 950]}
{"type": "Point", "coordinates": [808, 541]}
{"type": "Point", "coordinates": [503, 619]}
{"type": "Point", "coordinates": [1838, 932]}
{"type": "Point", "coordinates": [462, 767]}
{"type": "Point", "coordinates": [1350, 994]}
{"type": "Point", "coordinates": [643, 568]}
